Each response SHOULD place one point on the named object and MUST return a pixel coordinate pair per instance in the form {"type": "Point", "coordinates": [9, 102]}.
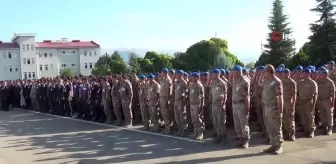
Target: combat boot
{"type": "Point", "coordinates": [146, 127]}
{"type": "Point", "coordinates": [291, 136]}
{"type": "Point", "coordinates": [278, 150]}
{"type": "Point", "coordinates": [199, 136]}
{"type": "Point", "coordinates": [245, 143]}
{"type": "Point", "coordinates": [269, 150]}
{"type": "Point", "coordinates": [224, 138]}
{"type": "Point", "coordinates": [217, 139]}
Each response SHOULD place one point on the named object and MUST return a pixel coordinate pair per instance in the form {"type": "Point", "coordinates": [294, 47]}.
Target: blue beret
{"type": "Point", "coordinates": [331, 62]}
{"type": "Point", "coordinates": [165, 70]}
{"type": "Point", "coordinates": [172, 71]}
{"type": "Point", "coordinates": [205, 73]}
{"type": "Point", "coordinates": [237, 68]}
{"type": "Point", "coordinates": [299, 68]}
{"type": "Point", "coordinates": [222, 71]}
{"type": "Point", "coordinates": [282, 65]}
{"type": "Point", "coordinates": [228, 71]}
{"type": "Point", "coordinates": [151, 76]}
{"type": "Point", "coordinates": [307, 70]}
{"type": "Point", "coordinates": [142, 77]}
{"type": "Point", "coordinates": [324, 71]}
{"type": "Point", "coordinates": [215, 70]}
{"type": "Point", "coordinates": [180, 71]}
{"type": "Point", "coordinates": [286, 71]}
{"type": "Point", "coordinates": [278, 70]}
{"type": "Point", "coordinates": [195, 74]}
{"type": "Point", "coordinates": [261, 68]}
{"type": "Point", "coordinates": [185, 74]}
{"type": "Point", "coordinates": [252, 70]}
{"type": "Point", "coordinates": [245, 70]}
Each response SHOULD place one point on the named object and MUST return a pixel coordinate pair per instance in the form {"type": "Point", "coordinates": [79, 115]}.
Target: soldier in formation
{"type": "Point", "coordinates": [282, 102]}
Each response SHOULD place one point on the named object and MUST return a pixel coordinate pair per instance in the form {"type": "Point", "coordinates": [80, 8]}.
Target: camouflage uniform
{"type": "Point", "coordinates": [289, 95]}
{"type": "Point", "coordinates": [153, 104]}
{"type": "Point", "coordinates": [165, 95]}
{"type": "Point", "coordinates": [126, 95]}
{"type": "Point", "coordinates": [196, 99]}
{"type": "Point", "coordinates": [180, 93]}
{"type": "Point", "coordinates": [143, 103]}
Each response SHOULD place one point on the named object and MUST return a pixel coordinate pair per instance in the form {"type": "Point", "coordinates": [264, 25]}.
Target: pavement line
{"type": "Point", "coordinates": [117, 127]}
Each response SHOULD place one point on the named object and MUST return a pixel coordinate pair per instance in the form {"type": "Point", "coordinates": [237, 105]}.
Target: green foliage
{"type": "Point", "coordinates": [250, 65]}
{"type": "Point", "coordinates": [202, 55]}
{"type": "Point", "coordinates": [277, 52]}
{"type": "Point", "coordinates": [66, 72]}
{"type": "Point", "coordinates": [323, 38]}
{"type": "Point", "coordinates": [301, 58]}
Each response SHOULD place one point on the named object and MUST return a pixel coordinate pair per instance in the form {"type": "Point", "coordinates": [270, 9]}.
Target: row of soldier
{"type": "Point", "coordinates": [194, 101]}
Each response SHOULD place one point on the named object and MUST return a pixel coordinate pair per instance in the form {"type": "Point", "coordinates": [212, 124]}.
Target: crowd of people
{"type": "Point", "coordinates": [173, 102]}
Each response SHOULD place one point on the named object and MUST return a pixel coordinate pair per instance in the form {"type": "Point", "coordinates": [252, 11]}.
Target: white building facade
{"type": "Point", "coordinates": [24, 58]}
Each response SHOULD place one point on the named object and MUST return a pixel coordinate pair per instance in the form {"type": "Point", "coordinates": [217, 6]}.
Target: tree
{"type": "Point", "coordinates": [277, 52]}
{"type": "Point", "coordinates": [323, 38]}
{"type": "Point", "coordinates": [117, 63]}
{"type": "Point", "coordinates": [250, 65]}
{"type": "Point", "coordinates": [301, 58]}
{"type": "Point", "coordinates": [133, 62]}
{"type": "Point", "coordinates": [66, 72]}
{"type": "Point", "coordinates": [158, 61]}
{"type": "Point", "coordinates": [106, 64]}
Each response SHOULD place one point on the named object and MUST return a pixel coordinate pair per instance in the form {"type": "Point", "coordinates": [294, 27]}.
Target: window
{"type": "Point", "coordinates": [32, 47]}
{"type": "Point", "coordinates": [24, 61]}
{"type": "Point", "coordinates": [41, 67]}
{"type": "Point", "coordinates": [95, 53]}
{"type": "Point", "coordinates": [63, 65]}
{"type": "Point", "coordinates": [10, 69]}
{"type": "Point", "coordinates": [16, 69]}
{"type": "Point", "coordinates": [32, 61]}
{"type": "Point", "coordinates": [9, 55]}
{"type": "Point", "coordinates": [90, 65]}
{"type": "Point", "coordinates": [33, 74]}
{"type": "Point", "coordinates": [40, 55]}
{"type": "Point", "coordinates": [85, 65]}
{"type": "Point", "coordinates": [50, 54]}
{"type": "Point", "coordinates": [46, 67]}
{"type": "Point", "coordinates": [4, 55]}
{"type": "Point", "coordinates": [45, 55]}
{"type": "Point", "coordinates": [73, 51]}
{"type": "Point", "coordinates": [90, 53]}
{"type": "Point", "coordinates": [25, 75]}
{"type": "Point", "coordinates": [85, 53]}
{"type": "Point", "coordinates": [63, 52]}
{"type": "Point", "coordinates": [28, 61]}
{"type": "Point", "coordinates": [23, 47]}
{"type": "Point", "coordinates": [29, 75]}
{"type": "Point", "coordinates": [73, 65]}
{"type": "Point", "coordinates": [27, 47]}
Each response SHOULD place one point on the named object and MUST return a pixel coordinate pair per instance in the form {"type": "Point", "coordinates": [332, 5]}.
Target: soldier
{"type": "Point", "coordinates": [95, 103]}
{"type": "Point", "coordinates": [207, 110]}
{"type": "Point", "coordinates": [126, 96]}
{"type": "Point", "coordinates": [180, 93]}
{"type": "Point", "coordinates": [259, 105]}
{"type": "Point", "coordinates": [50, 95]}
{"type": "Point", "coordinates": [307, 96]}
{"type": "Point", "coordinates": [33, 95]}
{"type": "Point", "coordinates": [84, 94]}
{"type": "Point", "coordinates": [116, 102]}
{"type": "Point", "coordinates": [241, 106]}
{"type": "Point", "coordinates": [196, 99]}
{"type": "Point", "coordinates": [218, 91]}
{"type": "Point", "coordinates": [76, 98]}
{"type": "Point", "coordinates": [165, 94]}
{"type": "Point", "coordinates": [272, 98]}
{"type": "Point", "coordinates": [26, 94]}
{"type": "Point", "coordinates": [325, 102]}
{"type": "Point", "coordinates": [65, 98]}
{"type": "Point", "coordinates": [143, 101]}
{"type": "Point", "coordinates": [289, 96]}
{"type": "Point", "coordinates": [153, 102]}
{"type": "Point", "coordinates": [106, 100]}
{"type": "Point", "coordinates": [5, 95]}
{"type": "Point", "coordinates": [135, 100]}
{"type": "Point", "coordinates": [44, 100]}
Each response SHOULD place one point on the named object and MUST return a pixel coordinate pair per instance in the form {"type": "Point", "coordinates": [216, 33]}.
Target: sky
{"type": "Point", "coordinates": [171, 25]}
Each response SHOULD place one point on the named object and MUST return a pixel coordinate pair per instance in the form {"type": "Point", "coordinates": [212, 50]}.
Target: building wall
{"type": "Point", "coordinates": [69, 58]}
{"type": "Point", "coordinates": [28, 58]}
{"type": "Point", "coordinates": [48, 62]}
{"type": "Point", "coordinates": [88, 59]}
{"type": "Point", "coordinates": [10, 64]}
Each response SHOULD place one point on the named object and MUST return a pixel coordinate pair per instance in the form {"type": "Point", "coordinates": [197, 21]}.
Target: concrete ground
{"type": "Point", "coordinates": [27, 137]}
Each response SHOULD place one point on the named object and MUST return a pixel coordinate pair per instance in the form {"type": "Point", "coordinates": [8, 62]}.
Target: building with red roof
{"type": "Point", "coordinates": [24, 58]}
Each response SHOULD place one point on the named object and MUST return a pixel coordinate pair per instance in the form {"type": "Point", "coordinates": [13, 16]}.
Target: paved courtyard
{"type": "Point", "coordinates": [28, 137]}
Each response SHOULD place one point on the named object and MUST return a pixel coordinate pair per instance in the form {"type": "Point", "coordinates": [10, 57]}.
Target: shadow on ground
{"type": "Point", "coordinates": [47, 137]}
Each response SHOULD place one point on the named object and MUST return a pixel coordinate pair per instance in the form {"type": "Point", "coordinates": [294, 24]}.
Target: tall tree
{"type": "Point", "coordinates": [277, 51]}
{"type": "Point", "coordinates": [133, 62]}
{"type": "Point", "coordinates": [323, 30]}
